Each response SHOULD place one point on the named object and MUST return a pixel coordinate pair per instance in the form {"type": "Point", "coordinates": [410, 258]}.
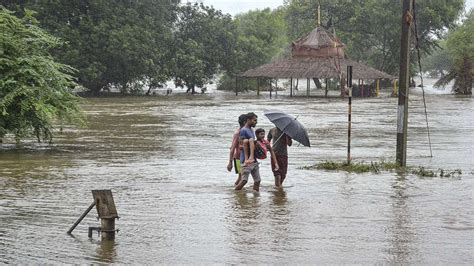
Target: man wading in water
{"type": "Point", "coordinates": [247, 158]}
{"type": "Point", "coordinates": [281, 141]}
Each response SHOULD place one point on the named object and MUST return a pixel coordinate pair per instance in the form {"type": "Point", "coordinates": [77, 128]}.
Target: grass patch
{"type": "Point", "coordinates": [377, 167]}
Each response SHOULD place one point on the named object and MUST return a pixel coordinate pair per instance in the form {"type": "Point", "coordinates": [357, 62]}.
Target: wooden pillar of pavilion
{"type": "Point", "coordinates": [291, 87]}
{"type": "Point", "coordinates": [326, 89]}
{"type": "Point", "coordinates": [377, 88]}
{"type": "Point", "coordinates": [236, 92]}
{"type": "Point", "coordinates": [258, 86]}
{"type": "Point", "coordinates": [276, 88]}
{"type": "Point", "coordinates": [271, 88]}
{"type": "Point", "coordinates": [307, 86]}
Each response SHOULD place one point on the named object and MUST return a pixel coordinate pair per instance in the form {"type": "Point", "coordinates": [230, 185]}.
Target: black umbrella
{"type": "Point", "coordinates": [288, 125]}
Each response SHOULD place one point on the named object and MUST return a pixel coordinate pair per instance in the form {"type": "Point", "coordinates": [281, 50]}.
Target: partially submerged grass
{"type": "Point", "coordinates": [354, 167]}
{"type": "Point", "coordinates": [377, 167]}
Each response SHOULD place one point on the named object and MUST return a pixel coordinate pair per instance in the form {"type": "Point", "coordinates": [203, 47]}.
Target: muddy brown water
{"type": "Point", "coordinates": [165, 157]}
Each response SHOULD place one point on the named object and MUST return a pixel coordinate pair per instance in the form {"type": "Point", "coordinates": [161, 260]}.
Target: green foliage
{"type": "Point", "coordinates": [371, 28]}
{"type": "Point", "coordinates": [111, 43]}
{"type": "Point", "coordinates": [377, 167]}
{"type": "Point", "coordinates": [260, 36]}
{"type": "Point", "coordinates": [460, 46]}
{"type": "Point", "coordinates": [439, 62]}
{"type": "Point", "coordinates": [35, 90]}
{"type": "Point", "coordinates": [354, 167]}
{"type": "Point", "coordinates": [203, 42]}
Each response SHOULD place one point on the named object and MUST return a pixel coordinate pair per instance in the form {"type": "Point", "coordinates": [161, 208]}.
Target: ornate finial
{"type": "Point", "coordinates": [319, 15]}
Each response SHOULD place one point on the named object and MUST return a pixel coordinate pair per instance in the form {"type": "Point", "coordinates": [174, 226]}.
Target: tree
{"type": "Point", "coordinates": [35, 90]}
{"type": "Point", "coordinates": [260, 36]}
{"type": "Point", "coordinates": [111, 43]}
{"type": "Point", "coordinates": [203, 44]}
{"type": "Point", "coordinates": [438, 62]}
{"type": "Point", "coordinates": [371, 28]}
{"type": "Point", "coordinates": [460, 46]}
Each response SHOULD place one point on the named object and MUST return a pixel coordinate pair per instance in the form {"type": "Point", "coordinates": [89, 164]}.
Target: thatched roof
{"type": "Point", "coordinates": [315, 68]}
{"type": "Point", "coordinates": [317, 39]}
{"type": "Point", "coordinates": [319, 54]}
{"type": "Point", "coordinates": [318, 43]}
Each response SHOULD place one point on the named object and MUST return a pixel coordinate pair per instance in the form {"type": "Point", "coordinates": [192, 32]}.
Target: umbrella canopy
{"type": "Point", "coordinates": [288, 125]}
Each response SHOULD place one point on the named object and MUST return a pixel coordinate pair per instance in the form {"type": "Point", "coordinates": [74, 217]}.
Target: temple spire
{"type": "Point", "coordinates": [319, 15]}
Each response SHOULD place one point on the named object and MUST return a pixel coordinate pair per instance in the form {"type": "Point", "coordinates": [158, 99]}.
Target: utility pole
{"type": "Point", "coordinates": [402, 112]}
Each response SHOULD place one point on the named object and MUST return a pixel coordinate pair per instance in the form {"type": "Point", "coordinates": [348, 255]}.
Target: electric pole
{"type": "Point", "coordinates": [402, 112]}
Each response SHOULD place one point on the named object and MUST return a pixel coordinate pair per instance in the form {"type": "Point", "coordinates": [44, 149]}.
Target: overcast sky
{"type": "Point", "coordinates": [237, 6]}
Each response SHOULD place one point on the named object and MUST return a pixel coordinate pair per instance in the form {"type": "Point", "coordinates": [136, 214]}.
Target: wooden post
{"type": "Point", "coordinates": [107, 228]}
{"type": "Point", "coordinates": [271, 88]}
{"type": "Point", "coordinates": [258, 86]}
{"type": "Point", "coordinates": [402, 112]}
{"type": "Point", "coordinates": [395, 88]}
{"type": "Point", "coordinates": [276, 88]}
{"type": "Point", "coordinates": [377, 88]}
{"type": "Point", "coordinates": [236, 92]}
{"type": "Point", "coordinates": [307, 87]}
{"type": "Point", "coordinates": [107, 213]}
{"type": "Point", "coordinates": [362, 87]}
{"type": "Point", "coordinates": [291, 87]}
{"type": "Point", "coordinates": [349, 116]}
{"type": "Point", "coordinates": [326, 90]}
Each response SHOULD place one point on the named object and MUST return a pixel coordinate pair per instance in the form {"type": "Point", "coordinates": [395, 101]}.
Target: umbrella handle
{"type": "Point", "coordinates": [282, 133]}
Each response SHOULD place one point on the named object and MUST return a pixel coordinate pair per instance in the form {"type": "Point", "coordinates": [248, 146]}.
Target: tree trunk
{"type": "Point", "coordinates": [317, 83]}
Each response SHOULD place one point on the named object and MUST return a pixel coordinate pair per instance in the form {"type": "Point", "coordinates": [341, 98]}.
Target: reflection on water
{"type": "Point", "coordinates": [402, 249]}
{"type": "Point", "coordinates": [106, 251]}
{"type": "Point", "coordinates": [165, 157]}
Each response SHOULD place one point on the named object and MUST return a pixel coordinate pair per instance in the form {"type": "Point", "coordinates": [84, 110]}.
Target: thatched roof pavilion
{"type": "Point", "coordinates": [314, 68]}
{"type": "Point", "coordinates": [317, 55]}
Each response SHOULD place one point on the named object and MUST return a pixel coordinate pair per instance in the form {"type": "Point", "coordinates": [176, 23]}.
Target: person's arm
{"type": "Point", "coordinates": [234, 145]}
{"type": "Point", "coordinates": [273, 157]}
{"type": "Point", "coordinates": [245, 144]}
{"type": "Point", "coordinates": [251, 158]}
{"type": "Point", "coordinates": [289, 140]}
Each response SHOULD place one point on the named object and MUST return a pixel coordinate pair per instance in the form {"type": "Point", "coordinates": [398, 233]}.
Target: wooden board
{"type": "Point", "coordinates": [104, 202]}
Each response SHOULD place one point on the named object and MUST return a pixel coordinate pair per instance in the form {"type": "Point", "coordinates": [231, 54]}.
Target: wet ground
{"type": "Point", "coordinates": [165, 157]}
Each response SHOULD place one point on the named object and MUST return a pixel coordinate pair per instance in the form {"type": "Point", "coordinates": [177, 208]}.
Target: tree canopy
{"type": "Point", "coordinates": [460, 47]}
{"type": "Point", "coordinates": [152, 41]}
{"type": "Point", "coordinates": [35, 90]}
{"type": "Point", "coordinates": [110, 44]}
{"type": "Point", "coordinates": [371, 28]}
{"type": "Point", "coordinates": [202, 43]}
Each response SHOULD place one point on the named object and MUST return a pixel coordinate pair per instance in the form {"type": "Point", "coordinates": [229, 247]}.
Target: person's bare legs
{"type": "Point", "coordinates": [277, 181]}
{"type": "Point", "coordinates": [241, 185]}
{"type": "Point", "coordinates": [256, 186]}
{"type": "Point", "coordinates": [238, 180]}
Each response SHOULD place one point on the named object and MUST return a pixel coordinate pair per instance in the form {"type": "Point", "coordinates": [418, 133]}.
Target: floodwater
{"type": "Point", "coordinates": [165, 160]}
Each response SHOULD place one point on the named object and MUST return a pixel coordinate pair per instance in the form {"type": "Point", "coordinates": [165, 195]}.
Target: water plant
{"type": "Point", "coordinates": [377, 167]}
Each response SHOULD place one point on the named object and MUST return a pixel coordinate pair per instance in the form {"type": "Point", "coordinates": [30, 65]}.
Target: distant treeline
{"type": "Point", "coordinates": [131, 44]}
